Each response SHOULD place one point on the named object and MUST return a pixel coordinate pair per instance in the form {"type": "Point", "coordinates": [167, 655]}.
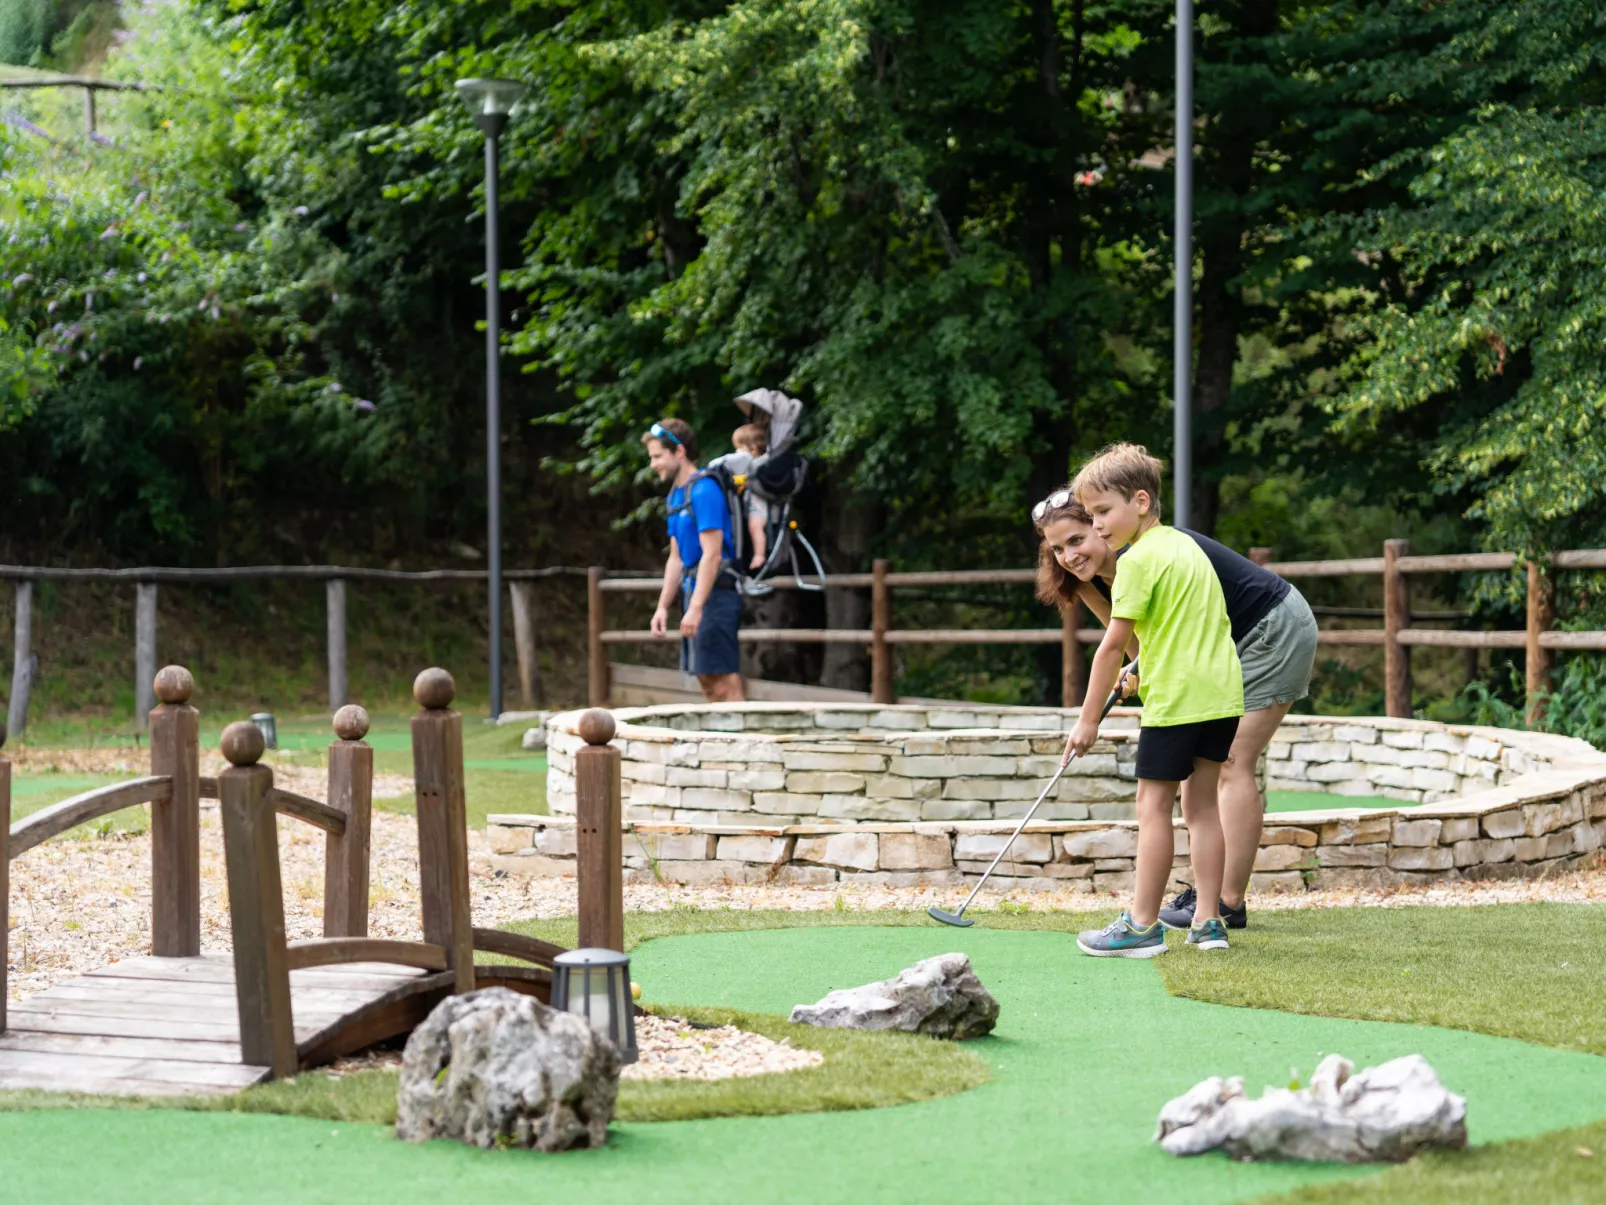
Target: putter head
{"type": "Point", "coordinates": [949, 918]}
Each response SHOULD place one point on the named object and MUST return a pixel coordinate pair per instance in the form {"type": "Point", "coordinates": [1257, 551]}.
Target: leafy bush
{"type": "Point", "coordinates": [1576, 705]}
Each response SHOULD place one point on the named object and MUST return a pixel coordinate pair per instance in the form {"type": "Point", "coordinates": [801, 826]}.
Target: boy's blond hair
{"type": "Point", "coordinates": [1123, 468]}
{"type": "Point", "coordinates": [753, 438]}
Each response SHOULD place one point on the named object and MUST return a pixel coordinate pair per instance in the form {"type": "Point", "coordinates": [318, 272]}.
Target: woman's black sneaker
{"type": "Point", "coordinates": [1179, 913]}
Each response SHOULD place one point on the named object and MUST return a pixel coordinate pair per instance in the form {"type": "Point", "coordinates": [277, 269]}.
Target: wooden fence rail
{"type": "Point", "coordinates": [1396, 637]}
{"type": "Point", "coordinates": [24, 671]}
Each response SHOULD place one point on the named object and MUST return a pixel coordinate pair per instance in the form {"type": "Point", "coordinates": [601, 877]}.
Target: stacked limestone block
{"type": "Point", "coordinates": [907, 795]}
{"type": "Point", "coordinates": [1419, 763]}
{"type": "Point", "coordinates": [852, 764]}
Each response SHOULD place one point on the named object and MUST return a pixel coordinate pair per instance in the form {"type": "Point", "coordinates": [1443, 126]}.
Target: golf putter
{"type": "Point", "coordinates": [959, 918]}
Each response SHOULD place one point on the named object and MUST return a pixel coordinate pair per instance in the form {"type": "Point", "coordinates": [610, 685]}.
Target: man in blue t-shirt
{"type": "Point", "coordinates": [702, 565]}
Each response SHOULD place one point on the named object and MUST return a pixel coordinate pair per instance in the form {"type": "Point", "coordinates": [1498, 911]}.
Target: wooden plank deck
{"type": "Point", "coordinates": [168, 1026]}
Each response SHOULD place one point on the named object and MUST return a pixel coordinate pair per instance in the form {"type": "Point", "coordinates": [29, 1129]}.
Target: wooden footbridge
{"type": "Point", "coordinates": [180, 1022]}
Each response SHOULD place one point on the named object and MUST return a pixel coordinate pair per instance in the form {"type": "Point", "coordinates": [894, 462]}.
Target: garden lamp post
{"type": "Point", "coordinates": [1182, 290]}
{"type": "Point", "coordinates": [491, 101]}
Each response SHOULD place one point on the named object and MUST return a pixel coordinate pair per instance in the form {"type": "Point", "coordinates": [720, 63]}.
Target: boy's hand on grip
{"type": "Point", "coordinates": [1081, 738]}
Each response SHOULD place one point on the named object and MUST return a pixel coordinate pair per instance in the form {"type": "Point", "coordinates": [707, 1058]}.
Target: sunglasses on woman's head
{"type": "Point", "coordinates": [1054, 501]}
{"type": "Point", "coordinates": [657, 432]}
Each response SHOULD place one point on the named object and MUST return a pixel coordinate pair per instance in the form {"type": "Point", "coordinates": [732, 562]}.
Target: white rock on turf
{"type": "Point", "coordinates": [494, 1067]}
{"type": "Point", "coordinates": [940, 997]}
{"type": "Point", "coordinates": [1385, 1114]}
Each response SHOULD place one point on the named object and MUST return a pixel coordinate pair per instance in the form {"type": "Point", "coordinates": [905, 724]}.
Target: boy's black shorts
{"type": "Point", "coordinates": [1166, 754]}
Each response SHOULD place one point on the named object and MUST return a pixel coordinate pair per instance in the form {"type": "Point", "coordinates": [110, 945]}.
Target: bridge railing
{"type": "Point", "coordinates": [264, 957]}
{"type": "Point", "coordinates": [250, 804]}
{"type": "Point", "coordinates": [174, 789]}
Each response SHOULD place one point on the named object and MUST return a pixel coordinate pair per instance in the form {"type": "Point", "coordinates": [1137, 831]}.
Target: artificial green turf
{"type": "Point", "coordinates": [1085, 1054]}
{"type": "Point", "coordinates": [1530, 971]}
{"type": "Point", "coordinates": [861, 1071]}
{"type": "Point", "coordinates": [1309, 801]}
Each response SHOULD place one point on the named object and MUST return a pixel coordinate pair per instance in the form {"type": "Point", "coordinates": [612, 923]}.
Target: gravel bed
{"type": "Point", "coordinates": [79, 904]}
{"type": "Point", "coordinates": [668, 1048]}
{"type": "Point", "coordinates": [671, 1048]}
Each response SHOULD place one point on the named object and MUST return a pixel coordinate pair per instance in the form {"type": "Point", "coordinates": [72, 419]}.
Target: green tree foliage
{"type": "Point", "coordinates": [1497, 324]}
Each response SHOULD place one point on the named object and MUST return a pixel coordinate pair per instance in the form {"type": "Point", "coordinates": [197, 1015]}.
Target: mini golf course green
{"type": "Point", "coordinates": [1086, 1052]}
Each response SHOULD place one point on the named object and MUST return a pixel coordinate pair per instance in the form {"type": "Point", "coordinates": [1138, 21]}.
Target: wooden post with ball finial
{"type": "Point", "coordinates": [256, 903]}
{"type": "Point", "coordinates": [442, 824]}
{"type": "Point", "coordinates": [598, 825]}
{"type": "Point", "coordinates": [345, 861]}
{"type": "Point", "coordinates": [176, 821]}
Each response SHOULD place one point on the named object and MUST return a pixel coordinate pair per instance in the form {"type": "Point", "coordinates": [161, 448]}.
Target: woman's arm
{"type": "Point", "coordinates": [1100, 606]}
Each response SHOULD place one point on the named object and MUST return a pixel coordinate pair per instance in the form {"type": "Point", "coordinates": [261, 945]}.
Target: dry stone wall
{"type": "Point", "coordinates": [912, 795]}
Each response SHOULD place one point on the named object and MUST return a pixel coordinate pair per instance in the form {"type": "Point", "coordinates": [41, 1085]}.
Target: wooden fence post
{"type": "Point", "coordinates": [1541, 614]}
{"type": "Point", "coordinates": [176, 822]}
{"type": "Point", "coordinates": [531, 690]}
{"type": "Point", "coordinates": [345, 858]}
{"type": "Point", "coordinates": [881, 685]}
{"type": "Point", "coordinates": [1396, 615]}
{"type": "Point", "coordinates": [335, 599]}
{"type": "Point", "coordinates": [5, 872]}
{"type": "Point", "coordinates": [442, 823]}
{"type": "Point", "coordinates": [144, 650]}
{"type": "Point", "coordinates": [1260, 556]}
{"type": "Point", "coordinates": [598, 827]}
{"type": "Point", "coordinates": [597, 654]}
{"type": "Point", "coordinates": [256, 904]}
{"type": "Point", "coordinates": [1073, 666]}
{"type": "Point", "coordinates": [22, 659]}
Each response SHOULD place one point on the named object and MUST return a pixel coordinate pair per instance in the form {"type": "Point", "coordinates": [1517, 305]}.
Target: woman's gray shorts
{"type": "Point", "coordinates": [1278, 654]}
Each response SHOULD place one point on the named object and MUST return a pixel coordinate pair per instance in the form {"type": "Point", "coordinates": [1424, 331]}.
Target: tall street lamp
{"type": "Point", "coordinates": [491, 101]}
{"type": "Point", "coordinates": [1182, 290]}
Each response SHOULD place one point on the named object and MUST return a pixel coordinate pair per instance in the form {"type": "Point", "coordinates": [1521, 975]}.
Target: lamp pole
{"type": "Point", "coordinates": [492, 102]}
{"type": "Point", "coordinates": [1182, 292]}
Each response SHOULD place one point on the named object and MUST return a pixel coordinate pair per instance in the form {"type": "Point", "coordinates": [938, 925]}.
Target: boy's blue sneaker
{"type": "Point", "coordinates": [1209, 935]}
{"type": "Point", "coordinates": [1121, 938]}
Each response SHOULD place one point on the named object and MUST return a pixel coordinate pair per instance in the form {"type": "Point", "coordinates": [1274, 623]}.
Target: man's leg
{"type": "Point", "coordinates": [1241, 808]}
{"type": "Point", "coordinates": [722, 688]}
{"type": "Point", "coordinates": [1155, 846]}
{"type": "Point", "coordinates": [1203, 816]}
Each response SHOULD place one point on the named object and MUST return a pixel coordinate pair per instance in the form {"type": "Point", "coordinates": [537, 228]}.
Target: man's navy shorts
{"type": "Point", "coordinates": [1167, 754]}
{"type": "Point", "coordinates": [714, 650]}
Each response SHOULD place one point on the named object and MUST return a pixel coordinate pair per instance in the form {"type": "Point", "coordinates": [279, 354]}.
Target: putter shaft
{"type": "Point", "coordinates": [1005, 849]}
{"type": "Point", "coordinates": [1032, 811]}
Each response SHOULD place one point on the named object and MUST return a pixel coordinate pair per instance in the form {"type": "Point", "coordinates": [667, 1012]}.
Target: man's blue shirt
{"type": "Point", "coordinates": [707, 512]}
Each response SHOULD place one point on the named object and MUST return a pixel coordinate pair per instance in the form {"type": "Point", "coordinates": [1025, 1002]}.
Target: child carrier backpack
{"type": "Point", "coordinates": [777, 477]}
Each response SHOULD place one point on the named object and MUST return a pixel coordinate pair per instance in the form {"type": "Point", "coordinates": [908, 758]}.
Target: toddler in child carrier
{"type": "Point", "coordinates": [762, 480]}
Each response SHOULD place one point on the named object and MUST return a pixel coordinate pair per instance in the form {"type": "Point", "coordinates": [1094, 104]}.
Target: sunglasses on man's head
{"type": "Point", "coordinates": [657, 432]}
{"type": "Point", "coordinates": [1054, 501]}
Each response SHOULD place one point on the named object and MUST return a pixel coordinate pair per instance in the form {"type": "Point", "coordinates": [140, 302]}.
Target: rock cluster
{"type": "Point", "coordinates": [1384, 1114]}
{"type": "Point", "coordinates": [495, 1068]}
{"type": "Point", "coordinates": [938, 996]}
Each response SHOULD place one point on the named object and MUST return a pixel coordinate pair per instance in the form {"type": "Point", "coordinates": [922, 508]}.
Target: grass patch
{"type": "Point", "coordinates": [1526, 971]}
{"type": "Point", "coordinates": [1567, 1167]}
{"type": "Point", "coordinates": [35, 792]}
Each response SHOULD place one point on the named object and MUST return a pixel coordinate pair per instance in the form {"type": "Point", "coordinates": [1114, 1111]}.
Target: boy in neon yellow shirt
{"type": "Point", "coordinates": [1168, 595]}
